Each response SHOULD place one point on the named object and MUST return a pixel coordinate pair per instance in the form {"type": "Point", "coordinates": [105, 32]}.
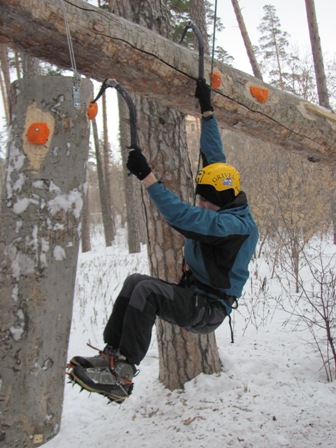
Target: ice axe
{"type": "Point", "coordinates": [192, 26]}
{"type": "Point", "coordinates": [133, 120]}
{"type": "Point", "coordinates": [215, 76]}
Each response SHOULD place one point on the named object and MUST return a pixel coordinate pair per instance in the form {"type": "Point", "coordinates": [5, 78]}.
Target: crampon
{"type": "Point", "coordinates": [100, 381]}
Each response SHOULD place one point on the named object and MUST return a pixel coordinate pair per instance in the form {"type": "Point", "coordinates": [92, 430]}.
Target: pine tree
{"type": "Point", "coordinates": [180, 14]}
{"type": "Point", "coordinates": [274, 44]}
{"type": "Point", "coordinates": [315, 41]}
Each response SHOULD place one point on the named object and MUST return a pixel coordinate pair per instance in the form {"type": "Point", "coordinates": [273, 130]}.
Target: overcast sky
{"type": "Point", "coordinates": [293, 19]}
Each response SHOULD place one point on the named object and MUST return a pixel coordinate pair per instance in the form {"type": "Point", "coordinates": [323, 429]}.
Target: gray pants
{"type": "Point", "coordinates": [143, 298]}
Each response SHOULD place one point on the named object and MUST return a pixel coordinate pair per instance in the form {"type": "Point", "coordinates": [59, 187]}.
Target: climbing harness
{"type": "Point", "coordinates": [76, 77]}
{"type": "Point", "coordinates": [132, 111]}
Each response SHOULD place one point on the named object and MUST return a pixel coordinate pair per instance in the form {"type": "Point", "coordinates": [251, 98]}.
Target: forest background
{"type": "Point", "coordinates": [287, 179]}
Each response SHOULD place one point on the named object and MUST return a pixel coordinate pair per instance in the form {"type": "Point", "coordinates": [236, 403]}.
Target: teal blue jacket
{"type": "Point", "coordinates": [219, 245]}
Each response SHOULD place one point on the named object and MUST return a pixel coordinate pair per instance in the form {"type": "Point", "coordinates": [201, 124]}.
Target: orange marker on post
{"type": "Point", "coordinates": [92, 110]}
{"type": "Point", "coordinates": [259, 93]}
{"type": "Point", "coordinates": [216, 80]}
{"type": "Point", "coordinates": [38, 133]}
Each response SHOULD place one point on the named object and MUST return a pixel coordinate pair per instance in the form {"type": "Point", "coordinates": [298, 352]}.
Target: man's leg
{"type": "Point", "coordinates": [150, 298]}
{"type": "Point", "coordinates": [113, 329]}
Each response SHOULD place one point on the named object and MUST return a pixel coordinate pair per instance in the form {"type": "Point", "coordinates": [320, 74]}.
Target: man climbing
{"type": "Point", "coordinates": [221, 237]}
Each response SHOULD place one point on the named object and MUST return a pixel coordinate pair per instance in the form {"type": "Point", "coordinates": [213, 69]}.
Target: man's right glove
{"type": "Point", "coordinates": [137, 164]}
{"type": "Point", "coordinates": [203, 93]}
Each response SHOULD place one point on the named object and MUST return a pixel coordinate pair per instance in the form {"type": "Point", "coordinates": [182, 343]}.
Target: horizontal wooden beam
{"type": "Point", "coordinates": [145, 63]}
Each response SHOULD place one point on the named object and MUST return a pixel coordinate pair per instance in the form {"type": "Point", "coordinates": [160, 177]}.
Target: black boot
{"type": "Point", "coordinates": [106, 358]}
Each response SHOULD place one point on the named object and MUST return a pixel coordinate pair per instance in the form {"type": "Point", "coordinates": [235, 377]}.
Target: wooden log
{"type": "Point", "coordinates": [108, 46]}
{"type": "Point", "coordinates": [40, 236]}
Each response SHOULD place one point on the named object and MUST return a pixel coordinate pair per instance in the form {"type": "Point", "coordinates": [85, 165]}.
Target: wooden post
{"type": "Point", "coordinates": [40, 235]}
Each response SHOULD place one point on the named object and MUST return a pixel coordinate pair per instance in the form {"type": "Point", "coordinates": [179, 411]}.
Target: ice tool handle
{"type": "Point", "coordinates": [192, 26]}
{"type": "Point", "coordinates": [133, 120]}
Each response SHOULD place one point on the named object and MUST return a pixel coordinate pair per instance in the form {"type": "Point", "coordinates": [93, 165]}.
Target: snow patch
{"type": "Point", "coordinates": [18, 226]}
{"type": "Point", "coordinates": [15, 293]}
{"type": "Point", "coordinates": [21, 264]}
{"type": "Point", "coordinates": [22, 204]}
{"type": "Point", "coordinates": [42, 184]}
{"type": "Point", "coordinates": [59, 253]}
{"type": "Point", "coordinates": [72, 201]}
{"type": "Point", "coordinates": [17, 329]}
{"type": "Point", "coordinates": [18, 184]}
{"type": "Point", "coordinates": [15, 163]}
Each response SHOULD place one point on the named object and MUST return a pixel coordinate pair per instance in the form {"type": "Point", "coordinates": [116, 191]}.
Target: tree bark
{"type": "Point", "coordinates": [86, 240]}
{"type": "Point", "coordinates": [247, 41]}
{"type": "Point", "coordinates": [197, 15]}
{"type": "Point", "coordinates": [315, 41]}
{"type": "Point", "coordinates": [134, 211]}
{"type": "Point", "coordinates": [105, 206]}
{"type": "Point", "coordinates": [5, 83]}
{"type": "Point", "coordinates": [183, 355]}
{"type": "Point", "coordinates": [40, 234]}
{"type": "Point", "coordinates": [107, 176]}
{"type": "Point", "coordinates": [150, 65]}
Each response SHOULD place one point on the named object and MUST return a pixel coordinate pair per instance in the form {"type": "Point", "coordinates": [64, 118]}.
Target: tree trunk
{"type": "Point", "coordinates": [134, 212]}
{"type": "Point", "coordinates": [197, 15]}
{"type": "Point", "coordinates": [246, 39]}
{"type": "Point", "coordinates": [107, 174]}
{"type": "Point", "coordinates": [86, 240]}
{"type": "Point", "coordinates": [40, 236]}
{"type": "Point", "coordinates": [147, 64]}
{"type": "Point", "coordinates": [30, 65]}
{"type": "Point", "coordinates": [183, 355]}
{"type": "Point", "coordinates": [105, 207]}
{"type": "Point", "coordinates": [315, 42]}
{"type": "Point", "coordinates": [5, 84]}
{"type": "Point", "coordinates": [162, 136]}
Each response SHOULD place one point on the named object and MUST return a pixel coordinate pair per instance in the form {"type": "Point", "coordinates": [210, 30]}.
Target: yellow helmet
{"type": "Point", "coordinates": [216, 178]}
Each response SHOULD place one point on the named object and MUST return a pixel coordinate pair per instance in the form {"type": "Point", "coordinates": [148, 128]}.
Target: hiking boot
{"type": "Point", "coordinates": [106, 358]}
{"type": "Point", "coordinates": [114, 384]}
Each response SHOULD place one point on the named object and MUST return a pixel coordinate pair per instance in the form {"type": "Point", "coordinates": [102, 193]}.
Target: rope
{"type": "Point", "coordinates": [76, 77]}
{"type": "Point", "coordinates": [213, 40]}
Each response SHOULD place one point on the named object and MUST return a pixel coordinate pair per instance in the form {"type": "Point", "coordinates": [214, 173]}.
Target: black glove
{"type": "Point", "coordinates": [203, 93]}
{"type": "Point", "coordinates": [137, 163]}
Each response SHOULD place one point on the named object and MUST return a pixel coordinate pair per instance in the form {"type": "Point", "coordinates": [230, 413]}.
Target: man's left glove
{"type": "Point", "coordinates": [203, 93]}
{"type": "Point", "coordinates": [137, 164]}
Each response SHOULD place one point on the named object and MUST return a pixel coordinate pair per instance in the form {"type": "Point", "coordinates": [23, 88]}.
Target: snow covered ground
{"type": "Point", "coordinates": [272, 391]}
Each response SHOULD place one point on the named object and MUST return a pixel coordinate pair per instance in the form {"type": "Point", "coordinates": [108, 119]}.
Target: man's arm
{"type": "Point", "coordinates": [211, 142]}
{"type": "Point", "coordinates": [149, 180]}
